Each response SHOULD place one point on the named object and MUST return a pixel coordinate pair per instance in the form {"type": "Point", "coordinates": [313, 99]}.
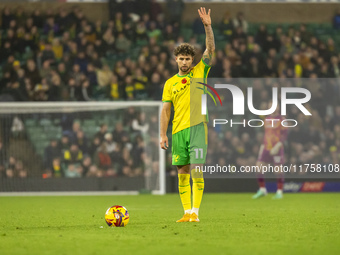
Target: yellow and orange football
{"type": "Point", "coordinates": [117, 216]}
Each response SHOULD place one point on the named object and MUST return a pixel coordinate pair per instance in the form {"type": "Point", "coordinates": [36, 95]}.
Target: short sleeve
{"type": "Point", "coordinates": [203, 69]}
{"type": "Point", "coordinates": [166, 93]}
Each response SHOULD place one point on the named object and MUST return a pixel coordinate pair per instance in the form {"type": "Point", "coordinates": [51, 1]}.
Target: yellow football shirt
{"type": "Point", "coordinates": [186, 97]}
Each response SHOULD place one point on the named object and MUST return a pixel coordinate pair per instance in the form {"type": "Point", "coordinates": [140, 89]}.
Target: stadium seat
{"type": "Point", "coordinates": [45, 122]}
{"type": "Point", "coordinates": [271, 28]}
{"type": "Point", "coordinates": [89, 123]}
{"type": "Point", "coordinates": [30, 122]}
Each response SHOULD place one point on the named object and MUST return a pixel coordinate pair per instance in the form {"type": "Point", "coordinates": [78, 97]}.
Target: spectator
{"type": "Point", "coordinates": [57, 49]}
{"type": "Point", "coordinates": [155, 10]}
{"type": "Point", "coordinates": [136, 153]}
{"type": "Point", "coordinates": [94, 172]}
{"type": "Point", "coordinates": [62, 20]}
{"type": "Point", "coordinates": [239, 21]}
{"type": "Point", "coordinates": [64, 144]}
{"type": "Point", "coordinates": [57, 170]}
{"type": "Point", "coordinates": [73, 156]}
{"type": "Point", "coordinates": [51, 152]}
{"type": "Point", "coordinates": [110, 144]}
{"type": "Point", "coordinates": [81, 61]}
{"type": "Point", "coordinates": [154, 32]}
{"type": "Point", "coordinates": [101, 133]}
{"type": "Point", "coordinates": [85, 93]}
{"type": "Point", "coordinates": [38, 20]}
{"type": "Point", "coordinates": [261, 35]}
{"type": "Point", "coordinates": [115, 89]}
{"type": "Point", "coordinates": [86, 164]}
{"type": "Point", "coordinates": [102, 158]}
{"type": "Point", "coordinates": [198, 27]}
{"type": "Point", "coordinates": [175, 8]}
{"type": "Point", "coordinates": [127, 163]}
{"type": "Point", "coordinates": [47, 54]}
{"type": "Point", "coordinates": [32, 72]}
{"type": "Point", "coordinates": [104, 76]}
{"type": "Point", "coordinates": [336, 20]}
{"type": "Point", "coordinates": [6, 18]}
{"type": "Point", "coordinates": [73, 171]}
{"type": "Point", "coordinates": [94, 146]}
{"type": "Point", "coordinates": [74, 89]}
{"type": "Point", "coordinates": [123, 44]}
{"type": "Point", "coordinates": [119, 135]}
{"type": "Point", "coordinates": [169, 34]}
{"type": "Point", "coordinates": [139, 124]}
{"type": "Point", "coordinates": [129, 88]}
{"type": "Point", "coordinates": [226, 26]}
{"type": "Point", "coordinates": [305, 35]}
{"type": "Point", "coordinates": [55, 91]}
{"type": "Point", "coordinates": [156, 87]}
{"type": "Point", "coordinates": [91, 76]}
{"type": "Point", "coordinates": [82, 142]}
{"type": "Point", "coordinates": [10, 168]}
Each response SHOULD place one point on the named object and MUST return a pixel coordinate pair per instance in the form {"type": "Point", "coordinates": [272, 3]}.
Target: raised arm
{"type": "Point", "coordinates": [209, 41]}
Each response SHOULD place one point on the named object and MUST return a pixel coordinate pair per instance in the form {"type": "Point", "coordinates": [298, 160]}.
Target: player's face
{"type": "Point", "coordinates": [184, 62]}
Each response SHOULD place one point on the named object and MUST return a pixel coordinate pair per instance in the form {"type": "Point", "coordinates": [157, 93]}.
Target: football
{"type": "Point", "coordinates": [117, 216]}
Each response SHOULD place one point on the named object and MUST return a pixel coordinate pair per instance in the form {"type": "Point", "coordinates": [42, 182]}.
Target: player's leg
{"type": "Point", "coordinates": [279, 161]}
{"type": "Point", "coordinates": [184, 190]}
{"type": "Point", "coordinates": [198, 153]}
{"type": "Point", "coordinates": [197, 190]}
{"type": "Point", "coordinates": [279, 190]}
{"type": "Point", "coordinates": [262, 191]}
{"type": "Point", "coordinates": [180, 158]}
{"type": "Point", "coordinates": [263, 156]}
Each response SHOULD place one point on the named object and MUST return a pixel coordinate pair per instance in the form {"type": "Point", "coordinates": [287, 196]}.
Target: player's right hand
{"type": "Point", "coordinates": [164, 142]}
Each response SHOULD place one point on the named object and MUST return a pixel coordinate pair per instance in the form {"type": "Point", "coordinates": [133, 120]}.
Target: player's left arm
{"type": "Point", "coordinates": [209, 41]}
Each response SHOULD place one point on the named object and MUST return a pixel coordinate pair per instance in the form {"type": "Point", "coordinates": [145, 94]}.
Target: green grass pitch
{"type": "Point", "coordinates": [230, 224]}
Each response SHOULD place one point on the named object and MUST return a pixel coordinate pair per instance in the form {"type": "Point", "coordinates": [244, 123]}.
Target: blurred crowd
{"type": "Point", "coordinates": [126, 151]}
{"type": "Point", "coordinates": [60, 55]}
{"type": "Point", "coordinates": [10, 166]}
{"type": "Point", "coordinates": [129, 148]}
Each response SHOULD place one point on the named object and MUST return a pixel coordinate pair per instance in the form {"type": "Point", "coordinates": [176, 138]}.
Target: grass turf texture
{"type": "Point", "coordinates": [230, 224]}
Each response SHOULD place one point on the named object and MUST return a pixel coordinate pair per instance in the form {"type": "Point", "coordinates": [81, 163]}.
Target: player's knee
{"type": "Point", "coordinates": [183, 178]}
{"type": "Point", "coordinates": [183, 169]}
{"type": "Point", "coordinates": [199, 182]}
{"type": "Point", "coordinates": [196, 173]}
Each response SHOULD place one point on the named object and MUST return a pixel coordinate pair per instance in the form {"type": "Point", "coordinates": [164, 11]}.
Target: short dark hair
{"type": "Point", "coordinates": [184, 49]}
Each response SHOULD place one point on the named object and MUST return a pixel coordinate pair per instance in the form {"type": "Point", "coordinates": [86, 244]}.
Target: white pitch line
{"type": "Point", "coordinates": [68, 193]}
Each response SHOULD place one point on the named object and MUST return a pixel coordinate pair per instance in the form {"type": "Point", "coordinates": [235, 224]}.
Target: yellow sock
{"type": "Point", "coordinates": [197, 190]}
{"type": "Point", "coordinates": [184, 190]}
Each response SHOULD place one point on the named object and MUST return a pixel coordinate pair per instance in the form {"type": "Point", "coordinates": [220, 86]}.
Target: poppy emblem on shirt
{"type": "Point", "coordinates": [184, 81]}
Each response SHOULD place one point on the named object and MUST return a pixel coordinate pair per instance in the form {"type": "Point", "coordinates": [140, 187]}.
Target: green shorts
{"type": "Point", "coordinates": [189, 146]}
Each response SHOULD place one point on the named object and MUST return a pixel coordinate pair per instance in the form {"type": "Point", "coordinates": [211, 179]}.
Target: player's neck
{"type": "Point", "coordinates": [180, 73]}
